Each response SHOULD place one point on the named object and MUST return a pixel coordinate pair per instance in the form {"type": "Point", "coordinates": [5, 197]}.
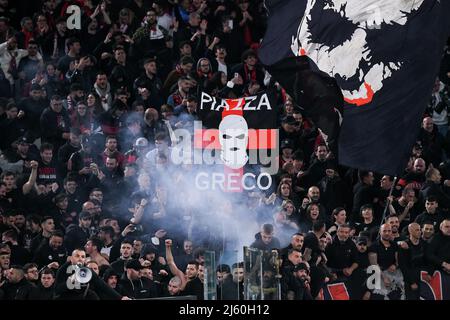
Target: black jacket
{"type": "Point", "coordinates": [438, 250]}
{"type": "Point", "coordinates": [41, 293]}
{"type": "Point", "coordinates": [412, 261]}
{"type": "Point", "coordinates": [142, 288]}
{"type": "Point", "coordinates": [62, 291]}
{"type": "Point", "coordinates": [17, 291]}
{"type": "Point", "coordinates": [45, 255]}
{"type": "Point", "coordinates": [259, 244]}
{"type": "Point", "coordinates": [341, 254]}
{"type": "Point", "coordinates": [53, 125]}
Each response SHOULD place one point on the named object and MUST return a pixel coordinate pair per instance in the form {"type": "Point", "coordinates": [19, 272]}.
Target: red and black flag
{"type": "Point", "coordinates": [243, 131]}
{"type": "Point", "coordinates": [382, 56]}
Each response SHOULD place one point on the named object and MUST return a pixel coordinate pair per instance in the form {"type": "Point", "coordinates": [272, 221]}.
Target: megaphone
{"type": "Point", "coordinates": [83, 275]}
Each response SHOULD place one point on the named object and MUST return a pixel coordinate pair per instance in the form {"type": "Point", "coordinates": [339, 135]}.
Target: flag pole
{"type": "Point", "coordinates": [386, 207]}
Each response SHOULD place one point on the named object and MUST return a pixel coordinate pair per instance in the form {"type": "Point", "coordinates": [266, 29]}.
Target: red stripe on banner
{"type": "Point", "coordinates": [338, 291]}
{"type": "Point", "coordinates": [435, 284]}
{"type": "Point", "coordinates": [257, 139]}
{"type": "Point", "coordinates": [233, 179]}
{"type": "Point", "coordinates": [235, 107]}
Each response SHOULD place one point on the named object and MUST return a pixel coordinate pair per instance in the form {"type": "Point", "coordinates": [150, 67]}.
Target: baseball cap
{"type": "Point", "coordinates": [24, 140]}
{"type": "Point", "coordinates": [301, 266]}
{"type": "Point", "coordinates": [133, 264]}
{"type": "Point", "coordinates": [361, 240]}
{"type": "Point", "coordinates": [286, 143]}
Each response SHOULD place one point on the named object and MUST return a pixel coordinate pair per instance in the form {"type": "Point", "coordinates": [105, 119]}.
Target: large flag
{"type": "Point", "coordinates": [383, 54]}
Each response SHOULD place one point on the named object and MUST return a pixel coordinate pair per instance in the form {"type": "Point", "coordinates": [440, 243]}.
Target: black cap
{"type": "Point", "coordinates": [301, 266]}
{"type": "Point", "coordinates": [286, 143]}
{"type": "Point", "coordinates": [362, 240]}
{"type": "Point", "coordinates": [24, 140]}
{"type": "Point", "coordinates": [289, 120]}
{"type": "Point", "coordinates": [134, 264]}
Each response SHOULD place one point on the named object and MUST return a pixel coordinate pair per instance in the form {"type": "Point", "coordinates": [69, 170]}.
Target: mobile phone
{"type": "Point", "coordinates": [230, 24]}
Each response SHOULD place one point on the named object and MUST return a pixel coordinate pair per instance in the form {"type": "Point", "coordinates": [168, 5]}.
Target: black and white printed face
{"type": "Point", "coordinates": [350, 53]}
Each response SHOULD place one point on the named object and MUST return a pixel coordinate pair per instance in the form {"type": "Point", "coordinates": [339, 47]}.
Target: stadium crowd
{"type": "Point", "coordinates": [86, 123]}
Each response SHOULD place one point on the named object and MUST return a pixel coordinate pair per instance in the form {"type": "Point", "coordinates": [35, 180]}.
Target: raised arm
{"type": "Point", "coordinates": [28, 186]}
{"type": "Point", "coordinates": [172, 266]}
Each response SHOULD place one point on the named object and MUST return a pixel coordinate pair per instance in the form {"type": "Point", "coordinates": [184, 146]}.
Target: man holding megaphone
{"type": "Point", "coordinates": [75, 281]}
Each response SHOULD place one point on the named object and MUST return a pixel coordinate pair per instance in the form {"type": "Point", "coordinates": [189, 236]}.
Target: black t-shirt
{"type": "Point", "coordinates": [194, 288]}
{"type": "Point", "coordinates": [372, 227]}
{"type": "Point", "coordinates": [385, 255]}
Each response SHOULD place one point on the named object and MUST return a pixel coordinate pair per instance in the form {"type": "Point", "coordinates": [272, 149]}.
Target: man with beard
{"type": "Point", "coordinates": [150, 83]}
{"type": "Point", "coordinates": [76, 95]}
{"type": "Point", "coordinates": [47, 169]}
{"type": "Point", "coordinates": [17, 287]}
{"type": "Point", "coordinates": [394, 222]}
{"type": "Point", "coordinates": [103, 89]}
{"type": "Point", "coordinates": [297, 241]}
{"type": "Point", "coordinates": [25, 151]}
{"type": "Point", "coordinates": [342, 254]}
{"type": "Point", "coordinates": [67, 288]}
{"type": "Point", "coordinates": [406, 207]}
{"type": "Point", "coordinates": [427, 231]}
{"type": "Point", "coordinates": [191, 284]}
{"type": "Point", "coordinates": [111, 180]}
{"type": "Point", "coordinates": [296, 285]}
{"type": "Point", "coordinates": [176, 98]}
{"type": "Point", "coordinates": [29, 64]}
{"type": "Point", "coordinates": [112, 151]}
{"type": "Point", "coordinates": [150, 40]}
{"type": "Point", "coordinates": [416, 177]}
{"type": "Point", "coordinates": [185, 255]}
{"type": "Point", "coordinates": [384, 254]}
{"type": "Point", "coordinates": [317, 168]}
{"type": "Point", "coordinates": [134, 285]}
{"type": "Point", "coordinates": [52, 254]}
